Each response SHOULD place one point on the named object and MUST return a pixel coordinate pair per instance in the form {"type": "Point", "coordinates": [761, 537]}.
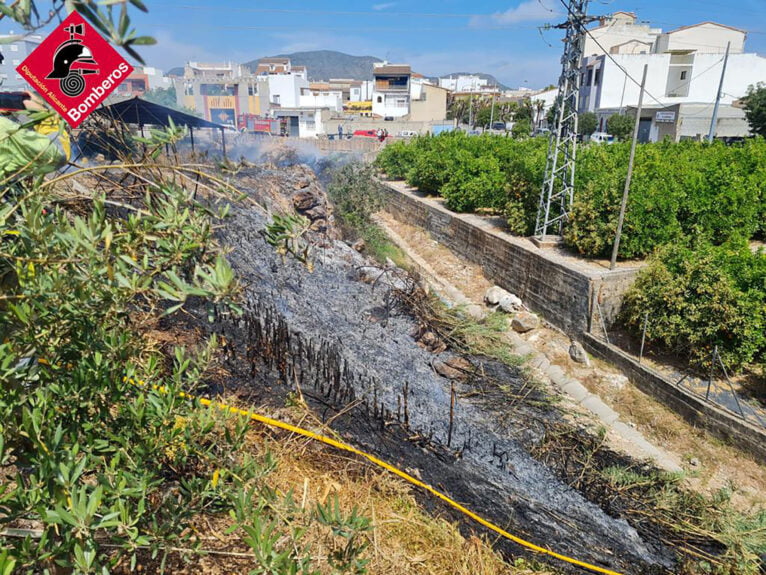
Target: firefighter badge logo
{"type": "Point", "coordinates": [74, 69]}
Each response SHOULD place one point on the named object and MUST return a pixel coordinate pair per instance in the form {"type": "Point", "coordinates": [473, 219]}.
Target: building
{"type": "Point", "coordinates": [15, 53]}
{"type": "Point", "coordinates": [690, 80]}
{"type": "Point", "coordinates": [285, 81]}
{"type": "Point", "coordinates": [222, 92]}
{"type": "Point", "coordinates": [141, 80]}
{"type": "Point", "coordinates": [703, 38]}
{"type": "Point", "coordinates": [428, 103]}
{"type": "Point", "coordinates": [466, 83]}
{"type": "Point", "coordinates": [321, 95]}
{"type": "Point", "coordinates": [620, 33]}
{"type": "Point", "coordinates": [361, 91]}
{"type": "Point", "coordinates": [684, 71]}
{"type": "Point", "coordinates": [391, 90]}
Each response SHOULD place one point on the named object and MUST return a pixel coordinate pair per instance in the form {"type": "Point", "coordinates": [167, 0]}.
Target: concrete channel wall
{"type": "Point", "coordinates": [577, 297]}
{"type": "Point", "coordinates": [694, 409]}
{"type": "Point", "coordinates": [564, 290]}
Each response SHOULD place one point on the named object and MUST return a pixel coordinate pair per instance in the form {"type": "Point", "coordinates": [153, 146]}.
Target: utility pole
{"type": "Point", "coordinates": [714, 119]}
{"type": "Point", "coordinates": [492, 113]}
{"type": "Point", "coordinates": [626, 191]}
{"type": "Point", "coordinates": [558, 186]}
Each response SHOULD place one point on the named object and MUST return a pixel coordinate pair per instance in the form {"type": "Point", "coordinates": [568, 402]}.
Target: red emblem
{"type": "Point", "coordinates": [74, 69]}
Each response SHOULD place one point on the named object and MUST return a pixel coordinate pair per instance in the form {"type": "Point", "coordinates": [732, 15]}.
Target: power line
{"type": "Point", "coordinates": [604, 50]}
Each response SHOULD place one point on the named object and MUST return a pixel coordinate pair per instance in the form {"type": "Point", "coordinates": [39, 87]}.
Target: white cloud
{"type": "Point", "coordinates": [529, 11]}
{"type": "Point", "coordinates": [384, 6]}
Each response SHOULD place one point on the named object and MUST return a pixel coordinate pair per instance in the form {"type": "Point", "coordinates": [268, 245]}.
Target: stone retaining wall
{"type": "Point", "coordinates": [564, 293]}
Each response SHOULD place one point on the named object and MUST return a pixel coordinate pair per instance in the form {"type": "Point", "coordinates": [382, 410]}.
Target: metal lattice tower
{"type": "Point", "coordinates": [558, 187]}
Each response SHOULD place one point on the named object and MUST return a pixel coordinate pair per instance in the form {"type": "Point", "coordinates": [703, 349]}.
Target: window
{"type": "Point", "coordinates": [597, 80]}
{"type": "Point", "coordinates": [683, 75]}
{"type": "Point", "coordinates": [252, 90]}
{"type": "Point", "coordinates": [275, 99]}
{"type": "Point", "coordinates": [590, 77]}
{"type": "Point", "coordinates": [380, 99]}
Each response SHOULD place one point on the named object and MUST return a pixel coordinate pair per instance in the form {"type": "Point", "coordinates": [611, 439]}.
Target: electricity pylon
{"type": "Point", "coordinates": [557, 194]}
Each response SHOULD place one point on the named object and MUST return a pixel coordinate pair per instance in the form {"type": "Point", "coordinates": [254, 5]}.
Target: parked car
{"type": "Point", "coordinates": [602, 138]}
{"type": "Point", "coordinates": [541, 132]}
{"type": "Point", "coordinates": [407, 134]}
{"type": "Point", "coordinates": [368, 134]}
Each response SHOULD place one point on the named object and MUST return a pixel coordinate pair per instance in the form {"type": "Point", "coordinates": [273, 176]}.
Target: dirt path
{"type": "Point", "coordinates": [599, 393]}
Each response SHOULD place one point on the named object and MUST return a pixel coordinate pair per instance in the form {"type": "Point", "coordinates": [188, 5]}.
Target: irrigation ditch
{"type": "Point", "coordinates": [355, 342]}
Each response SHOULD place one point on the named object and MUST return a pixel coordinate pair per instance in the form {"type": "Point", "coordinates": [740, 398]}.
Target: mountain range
{"type": "Point", "coordinates": [325, 64]}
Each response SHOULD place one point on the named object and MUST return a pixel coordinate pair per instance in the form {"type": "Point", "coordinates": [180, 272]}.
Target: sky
{"type": "Point", "coordinates": [505, 38]}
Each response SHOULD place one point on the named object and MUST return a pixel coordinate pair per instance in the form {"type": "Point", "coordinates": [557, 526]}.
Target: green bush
{"type": "Point", "coordinates": [702, 297]}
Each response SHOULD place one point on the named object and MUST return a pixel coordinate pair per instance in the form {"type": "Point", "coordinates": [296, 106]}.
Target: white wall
{"type": "Point", "coordinates": [362, 93]}
{"type": "Point", "coordinates": [395, 105]}
{"type": "Point", "coordinates": [332, 100]}
{"type": "Point", "coordinates": [617, 33]}
{"type": "Point", "coordinates": [707, 38]}
{"type": "Point", "coordinates": [463, 83]}
{"type": "Point", "coordinates": [743, 70]}
{"type": "Point", "coordinates": [288, 88]}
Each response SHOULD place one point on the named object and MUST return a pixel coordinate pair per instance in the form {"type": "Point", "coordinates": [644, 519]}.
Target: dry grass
{"type": "Point", "coordinates": [719, 466]}
{"type": "Point", "coordinates": [405, 537]}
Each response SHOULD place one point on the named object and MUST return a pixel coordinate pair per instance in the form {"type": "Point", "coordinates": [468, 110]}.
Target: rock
{"type": "Point", "coordinates": [617, 380]}
{"type": "Point", "coordinates": [524, 322]}
{"type": "Point", "coordinates": [316, 213]}
{"type": "Point", "coordinates": [510, 303]}
{"type": "Point", "coordinates": [494, 295]}
{"type": "Point", "coordinates": [359, 245]}
{"type": "Point", "coordinates": [429, 339]}
{"type": "Point", "coordinates": [578, 354]}
{"type": "Point", "coordinates": [694, 462]}
{"type": "Point", "coordinates": [303, 183]}
{"type": "Point", "coordinates": [474, 311]}
{"type": "Point", "coordinates": [369, 274]}
{"type": "Point", "coordinates": [455, 368]}
{"type": "Point", "coordinates": [305, 201]}
{"type": "Point", "coordinates": [390, 263]}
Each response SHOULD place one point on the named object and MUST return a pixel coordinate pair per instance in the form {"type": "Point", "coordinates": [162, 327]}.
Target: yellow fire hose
{"type": "Point", "coordinates": [388, 467]}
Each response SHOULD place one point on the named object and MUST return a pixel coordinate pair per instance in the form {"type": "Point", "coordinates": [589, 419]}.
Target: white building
{"type": "Point", "coordinates": [361, 91]}
{"type": "Point", "coordinates": [704, 38]}
{"type": "Point", "coordinates": [623, 32]}
{"type": "Point", "coordinates": [689, 79]}
{"type": "Point", "coordinates": [391, 90]}
{"type": "Point", "coordinates": [684, 70]}
{"type": "Point", "coordinates": [466, 83]}
{"type": "Point", "coordinates": [314, 97]}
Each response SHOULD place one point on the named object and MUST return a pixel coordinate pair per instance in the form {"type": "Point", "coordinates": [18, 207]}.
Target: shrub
{"type": "Point", "coordinates": [702, 297]}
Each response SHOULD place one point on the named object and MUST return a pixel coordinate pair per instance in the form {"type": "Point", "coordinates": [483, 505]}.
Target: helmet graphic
{"type": "Point", "coordinates": [66, 55]}
{"type": "Point", "coordinates": [71, 52]}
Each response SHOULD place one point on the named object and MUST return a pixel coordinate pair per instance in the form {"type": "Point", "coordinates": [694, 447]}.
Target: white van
{"type": "Point", "coordinates": [407, 134]}
{"type": "Point", "coordinates": [601, 138]}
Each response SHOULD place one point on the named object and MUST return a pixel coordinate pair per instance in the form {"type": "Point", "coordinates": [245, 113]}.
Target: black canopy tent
{"type": "Point", "coordinates": [144, 113]}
